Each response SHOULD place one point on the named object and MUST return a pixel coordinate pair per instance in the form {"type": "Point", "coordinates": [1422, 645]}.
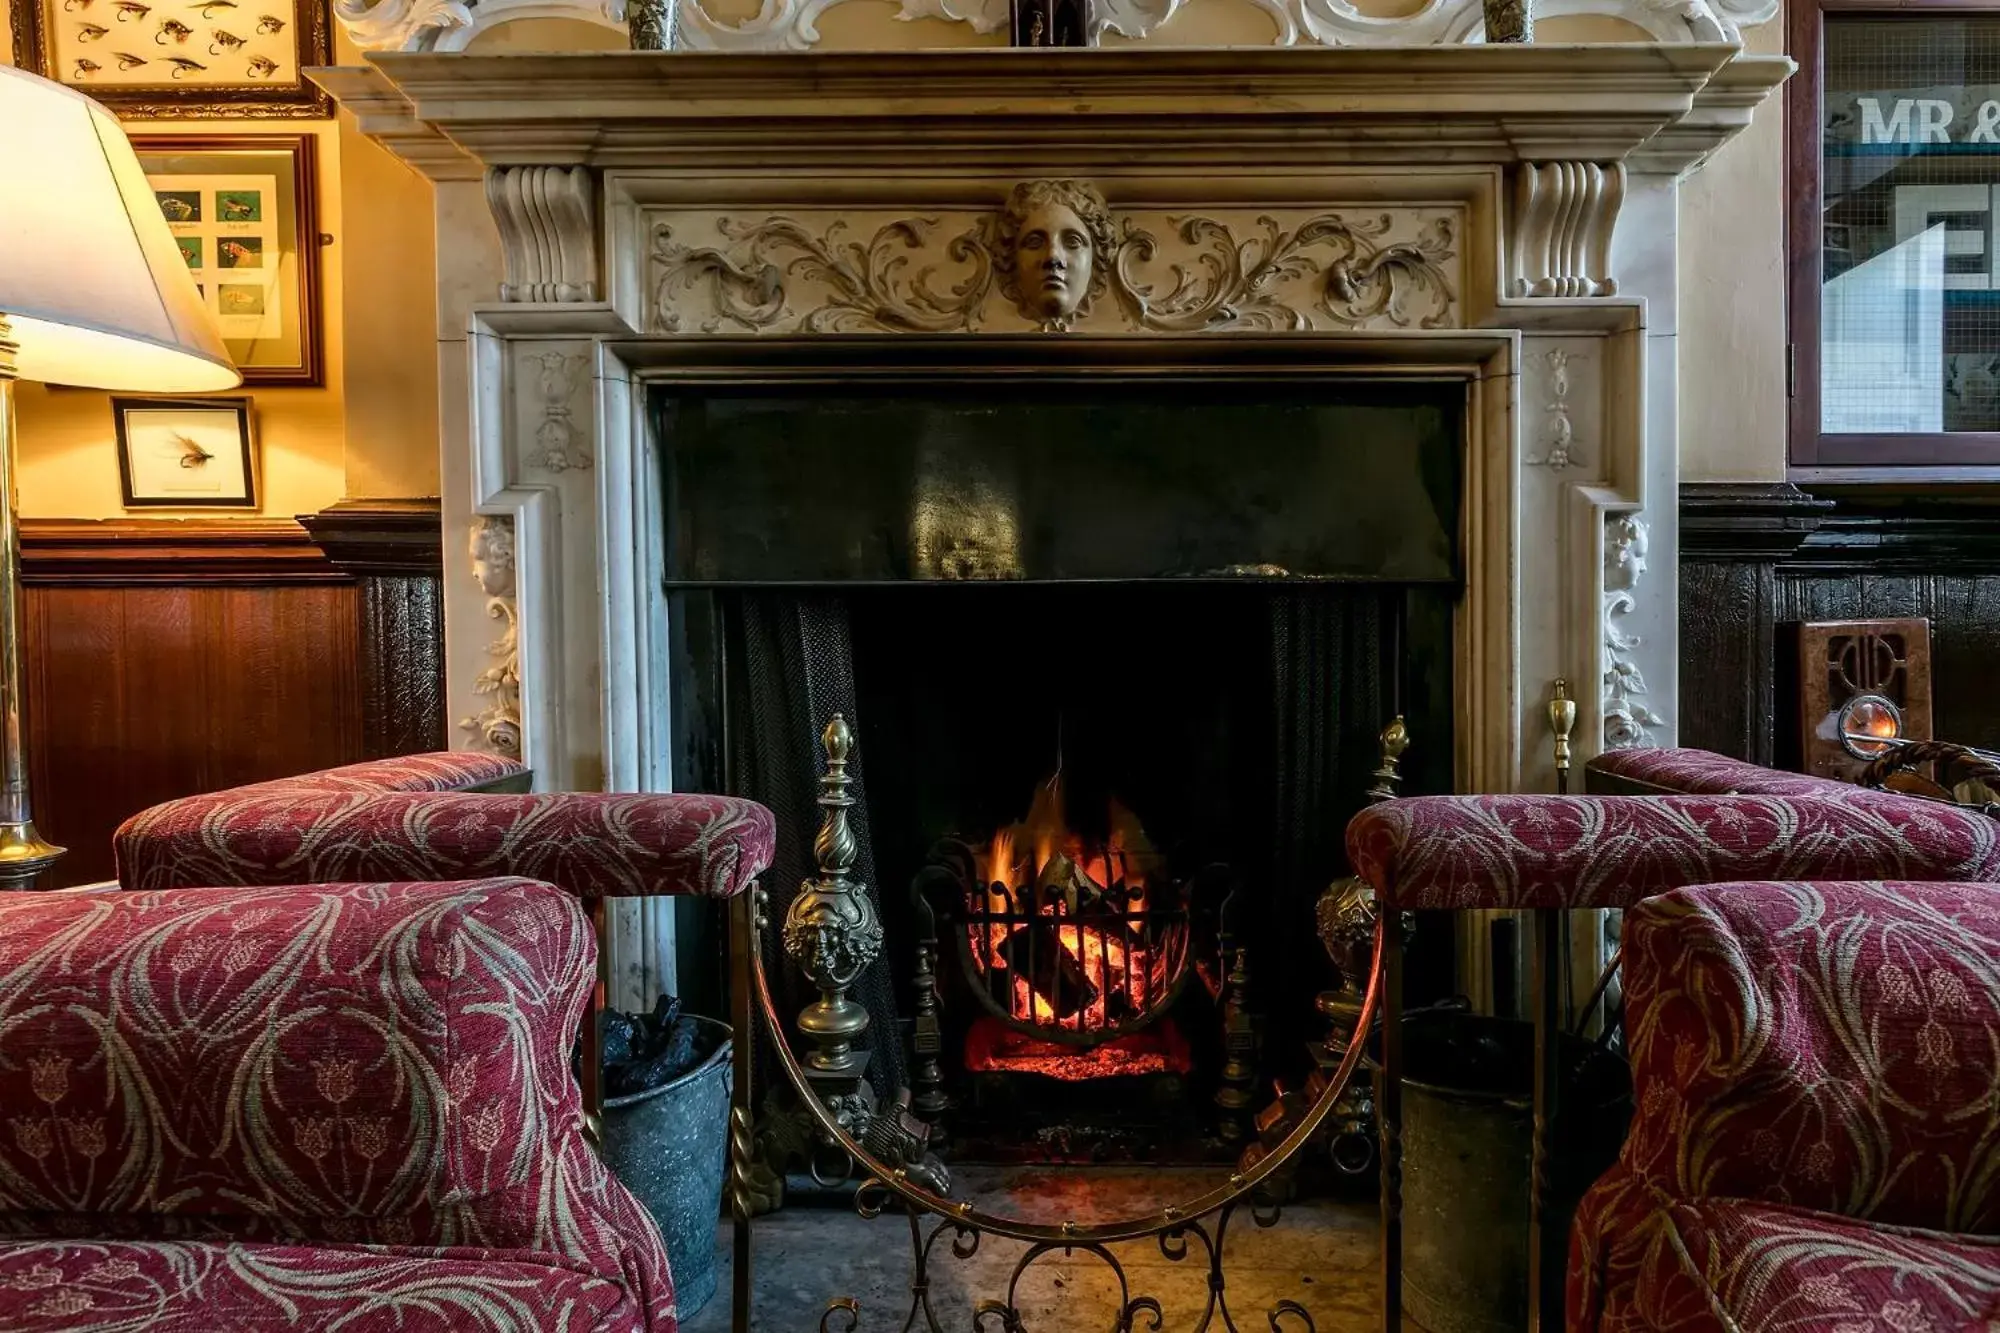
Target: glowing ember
{"type": "Point", "coordinates": [992, 1047]}
{"type": "Point", "coordinates": [1067, 932]}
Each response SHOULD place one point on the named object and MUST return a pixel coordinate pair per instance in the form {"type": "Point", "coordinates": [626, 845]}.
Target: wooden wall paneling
{"type": "Point", "coordinates": [1732, 536]}
{"type": "Point", "coordinates": [393, 548]}
{"type": "Point", "coordinates": [1965, 660]}
{"type": "Point", "coordinates": [1725, 651]}
{"type": "Point", "coordinates": [170, 658]}
{"type": "Point", "coordinates": [1758, 559]}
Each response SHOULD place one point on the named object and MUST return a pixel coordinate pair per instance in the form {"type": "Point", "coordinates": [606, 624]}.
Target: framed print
{"type": "Point", "coordinates": [147, 59]}
{"type": "Point", "coordinates": [186, 453]}
{"type": "Point", "coordinates": [242, 211]}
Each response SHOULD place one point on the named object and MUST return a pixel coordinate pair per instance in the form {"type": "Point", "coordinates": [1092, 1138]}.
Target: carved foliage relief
{"type": "Point", "coordinates": [1053, 256]}
{"type": "Point", "coordinates": [497, 724]}
{"type": "Point", "coordinates": [552, 393]}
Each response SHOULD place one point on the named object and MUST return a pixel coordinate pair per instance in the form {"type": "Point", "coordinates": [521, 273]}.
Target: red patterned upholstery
{"type": "Point", "coordinates": [383, 1064]}
{"type": "Point", "coordinates": [1454, 852]}
{"type": "Point", "coordinates": [594, 844]}
{"type": "Point", "coordinates": [1832, 1047]}
{"type": "Point", "coordinates": [1705, 773]}
{"type": "Point", "coordinates": [445, 770]}
{"type": "Point", "coordinates": [1724, 1266]}
{"type": "Point", "coordinates": [116, 1286]}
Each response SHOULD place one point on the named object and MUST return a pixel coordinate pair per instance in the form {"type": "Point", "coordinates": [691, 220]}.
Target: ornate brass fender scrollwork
{"type": "Point", "coordinates": [895, 1174]}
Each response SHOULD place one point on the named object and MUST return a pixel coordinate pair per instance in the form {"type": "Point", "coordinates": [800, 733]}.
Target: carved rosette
{"type": "Point", "coordinates": [497, 725]}
{"type": "Point", "coordinates": [1366, 268]}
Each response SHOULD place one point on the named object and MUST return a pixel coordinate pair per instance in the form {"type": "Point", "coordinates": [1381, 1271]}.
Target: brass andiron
{"type": "Point", "coordinates": [832, 934]}
{"type": "Point", "coordinates": [929, 1099]}
{"type": "Point", "coordinates": [1239, 1046]}
{"type": "Point", "coordinates": [1346, 922]}
{"type": "Point", "coordinates": [1562, 721]}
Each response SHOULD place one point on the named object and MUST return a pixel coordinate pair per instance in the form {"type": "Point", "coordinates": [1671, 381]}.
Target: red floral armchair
{"type": "Point", "coordinates": [413, 818]}
{"type": "Point", "coordinates": [339, 1106]}
{"type": "Point", "coordinates": [1547, 854]}
{"type": "Point", "coordinates": [1816, 1141]}
{"type": "Point", "coordinates": [272, 1085]}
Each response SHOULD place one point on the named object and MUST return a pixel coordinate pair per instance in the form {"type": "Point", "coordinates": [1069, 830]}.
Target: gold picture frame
{"type": "Point", "coordinates": [244, 211]}
{"type": "Point", "coordinates": [153, 59]}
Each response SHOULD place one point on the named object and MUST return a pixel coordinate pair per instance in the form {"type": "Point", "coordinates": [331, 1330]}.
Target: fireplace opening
{"type": "Point", "coordinates": [1116, 657]}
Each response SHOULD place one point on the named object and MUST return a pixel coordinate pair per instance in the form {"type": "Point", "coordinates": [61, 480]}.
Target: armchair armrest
{"type": "Point", "coordinates": [441, 770]}
{"type": "Point", "coordinates": [1525, 851]}
{"type": "Point", "coordinates": [594, 844]}
{"type": "Point", "coordinates": [1683, 772]}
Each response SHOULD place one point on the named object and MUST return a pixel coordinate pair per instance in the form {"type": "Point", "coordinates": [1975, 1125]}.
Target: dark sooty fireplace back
{"type": "Point", "coordinates": [1116, 656]}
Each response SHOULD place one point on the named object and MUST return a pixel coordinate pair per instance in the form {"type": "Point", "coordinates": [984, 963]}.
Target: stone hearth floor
{"type": "Point", "coordinates": [1321, 1254]}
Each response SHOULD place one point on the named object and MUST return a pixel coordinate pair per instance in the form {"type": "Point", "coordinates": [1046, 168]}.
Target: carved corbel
{"type": "Point", "coordinates": [1564, 214]}
{"type": "Point", "coordinates": [548, 231]}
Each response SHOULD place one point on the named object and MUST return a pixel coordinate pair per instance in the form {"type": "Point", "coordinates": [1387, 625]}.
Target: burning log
{"type": "Point", "coordinates": [1055, 976]}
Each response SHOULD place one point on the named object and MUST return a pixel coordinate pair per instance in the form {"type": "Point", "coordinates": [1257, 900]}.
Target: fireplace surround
{"type": "Point", "coordinates": [1500, 219]}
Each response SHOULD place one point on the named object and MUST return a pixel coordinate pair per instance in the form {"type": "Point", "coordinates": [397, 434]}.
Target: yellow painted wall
{"type": "Point", "coordinates": [1732, 300]}
{"type": "Point", "coordinates": [371, 430]}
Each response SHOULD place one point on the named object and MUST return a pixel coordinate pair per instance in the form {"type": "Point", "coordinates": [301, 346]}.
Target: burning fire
{"type": "Point", "coordinates": [1095, 965]}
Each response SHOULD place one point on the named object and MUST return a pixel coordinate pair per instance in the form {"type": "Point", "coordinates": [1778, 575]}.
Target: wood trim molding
{"type": "Point", "coordinates": [123, 552]}
{"type": "Point", "coordinates": [1830, 530]}
{"type": "Point", "coordinates": [381, 537]}
{"type": "Point", "coordinates": [1749, 521]}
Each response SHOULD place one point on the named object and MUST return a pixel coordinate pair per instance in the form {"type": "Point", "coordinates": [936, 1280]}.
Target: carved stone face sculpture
{"type": "Point", "coordinates": [1054, 260]}
{"type": "Point", "coordinates": [1055, 238]}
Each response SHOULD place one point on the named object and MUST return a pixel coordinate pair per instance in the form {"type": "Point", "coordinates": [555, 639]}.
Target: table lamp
{"type": "Point", "coordinates": [93, 293]}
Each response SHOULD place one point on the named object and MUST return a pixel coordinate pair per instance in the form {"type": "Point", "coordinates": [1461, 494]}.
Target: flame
{"type": "Point", "coordinates": [1118, 967]}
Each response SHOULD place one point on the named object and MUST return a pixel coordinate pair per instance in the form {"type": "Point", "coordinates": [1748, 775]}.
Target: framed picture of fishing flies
{"type": "Point", "coordinates": [242, 209]}
{"type": "Point", "coordinates": [147, 59]}
{"type": "Point", "coordinates": [186, 453]}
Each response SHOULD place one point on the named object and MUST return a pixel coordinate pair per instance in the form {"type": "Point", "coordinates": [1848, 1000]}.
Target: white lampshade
{"type": "Point", "coordinates": [90, 278]}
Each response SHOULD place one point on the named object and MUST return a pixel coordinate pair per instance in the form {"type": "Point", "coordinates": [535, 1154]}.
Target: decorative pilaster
{"type": "Point", "coordinates": [548, 232]}
{"type": "Point", "coordinates": [1564, 215]}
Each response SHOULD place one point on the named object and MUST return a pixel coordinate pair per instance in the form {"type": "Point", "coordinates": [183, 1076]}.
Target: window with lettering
{"type": "Point", "coordinates": [1909, 299]}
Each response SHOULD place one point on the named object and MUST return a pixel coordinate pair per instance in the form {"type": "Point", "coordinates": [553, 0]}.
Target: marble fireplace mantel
{"type": "Point", "coordinates": [1505, 216]}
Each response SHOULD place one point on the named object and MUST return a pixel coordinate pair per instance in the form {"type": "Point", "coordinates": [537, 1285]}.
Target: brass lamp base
{"type": "Point", "coordinates": [24, 853]}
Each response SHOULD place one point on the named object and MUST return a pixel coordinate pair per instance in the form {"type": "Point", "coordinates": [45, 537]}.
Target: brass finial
{"type": "Point", "coordinates": [831, 931]}
{"type": "Point", "coordinates": [1562, 721]}
{"type": "Point", "coordinates": [835, 847]}
{"type": "Point", "coordinates": [838, 739]}
{"type": "Point", "coordinates": [1395, 739]}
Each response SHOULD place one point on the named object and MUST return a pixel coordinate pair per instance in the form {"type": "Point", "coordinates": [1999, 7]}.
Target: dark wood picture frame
{"type": "Point", "coordinates": [1945, 455]}
{"type": "Point", "coordinates": [300, 99]}
{"type": "Point", "coordinates": [310, 372]}
{"type": "Point", "coordinates": [245, 432]}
